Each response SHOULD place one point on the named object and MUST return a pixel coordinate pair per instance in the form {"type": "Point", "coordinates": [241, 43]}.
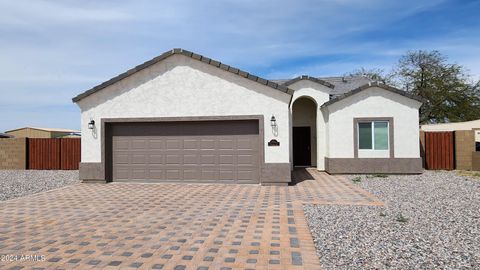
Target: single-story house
{"type": "Point", "coordinates": [40, 132]}
{"type": "Point", "coordinates": [185, 117]}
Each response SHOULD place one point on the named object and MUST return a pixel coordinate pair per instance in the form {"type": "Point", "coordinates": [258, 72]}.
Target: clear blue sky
{"type": "Point", "coordinates": [52, 50]}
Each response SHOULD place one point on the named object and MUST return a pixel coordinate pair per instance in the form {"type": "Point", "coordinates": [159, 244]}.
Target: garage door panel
{"type": "Point", "coordinates": [139, 174]}
{"type": "Point", "coordinates": [121, 144]}
{"type": "Point", "coordinates": [122, 173]}
{"type": "Point", "coordinates": [190, 144]}
{"type": "Point", "coordinates": [156, 143]}
{"type": "Point", "coordinates": [156, 159]}
{"type": "Point", "coordinates": [207, 144]}
{"type": "Point", "coordinates": [226, 144]}
{"type": "Point", "coordinates": [247, 143]}
{"type": "Point", "coordinates": [138, 144]}
{"type": "Point", "coordinates": [173, 159]}
{"type": "Point", "coordinates": [174, 144]}
{"type": "Point", "coordinates": [156, 174]}
{"type": "Point", "coordinates": [190, 159]}
{"type": "Point", "coordinates": [246, 159]}
{"type": "Point", "coordinates": [190, 174]}
{"type": "Point", "coordinates": [209, 174]}
{"type": "Point", "coordinates": [246, 174]}
{"type": "Point", "coordinates": [139, 158]}
{"type": "Point", "coordinates": [173, 174]}
{"type": "Point", "coordinates": [208, 159]}
{"type": "Point", "coordinates": [226, 159]}
{"type": "Point", "coordinates": [155, 154]}
{"type": "Point", "coordinates": [226, 175]}
{"type": "Point", "coordinates": [121, 158]}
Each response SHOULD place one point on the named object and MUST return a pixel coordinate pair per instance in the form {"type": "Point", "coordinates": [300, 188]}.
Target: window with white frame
{"type": "Point", "coordinates": [373, 135]}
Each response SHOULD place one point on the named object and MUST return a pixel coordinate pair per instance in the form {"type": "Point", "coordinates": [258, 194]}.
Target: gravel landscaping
{"type": "Point", "coordinates": [15, 184]}
{"type": "Point", "coordinates": [430, 221]}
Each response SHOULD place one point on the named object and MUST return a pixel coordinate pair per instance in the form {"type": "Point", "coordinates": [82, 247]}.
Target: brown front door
{"type": "Point", "coordinates": [301, 146]}
{"type": "Point", "coordinates": [196, 151]}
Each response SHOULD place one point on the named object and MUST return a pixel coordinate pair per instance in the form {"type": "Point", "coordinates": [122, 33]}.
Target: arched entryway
{"type": "Point", "coordinates": [304, 132]}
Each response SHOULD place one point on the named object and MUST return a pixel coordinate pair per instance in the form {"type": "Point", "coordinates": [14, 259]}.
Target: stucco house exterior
{"type": "Point", "coordinates": [185, 117]}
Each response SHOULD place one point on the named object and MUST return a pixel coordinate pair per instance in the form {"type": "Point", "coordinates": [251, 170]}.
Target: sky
{"type": "Point", "coordinates": [50, 51]}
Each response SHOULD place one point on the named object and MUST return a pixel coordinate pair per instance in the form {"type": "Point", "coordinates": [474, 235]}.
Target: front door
{"type": "Point", "coordinates": [301, 146]}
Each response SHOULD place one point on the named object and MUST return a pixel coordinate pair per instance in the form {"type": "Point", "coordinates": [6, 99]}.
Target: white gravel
{"type": "Point", "coordinates": [19, 183]}
{"type": "Point", "coordinates": [431, 221]}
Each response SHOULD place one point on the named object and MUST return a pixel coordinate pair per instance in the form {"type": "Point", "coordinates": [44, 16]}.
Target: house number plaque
{"type": "Point", "coordinates": [273, 142]}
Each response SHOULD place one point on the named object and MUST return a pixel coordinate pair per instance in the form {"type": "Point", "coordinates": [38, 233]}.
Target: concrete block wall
{"type": "Point", "coordinates": [464, 146]}
{"type": "Point", "coordinates": [13, 154]}
{"type": "Point", "coordinates": [476, 161]}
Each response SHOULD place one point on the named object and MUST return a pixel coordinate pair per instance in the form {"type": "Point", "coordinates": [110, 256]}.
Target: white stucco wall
{"type": "Point", "coordinates": [320, 94]}
{"type": "Point", "coordinates": [181, 86]}
{"type": "Point", "coordinates": [374, 102]}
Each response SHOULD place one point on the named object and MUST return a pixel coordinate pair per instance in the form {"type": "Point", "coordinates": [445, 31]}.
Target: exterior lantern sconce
{"type": "Point", "coordinates": [273, 121]}
{"type": "Point", "coordinates": [91, 124]}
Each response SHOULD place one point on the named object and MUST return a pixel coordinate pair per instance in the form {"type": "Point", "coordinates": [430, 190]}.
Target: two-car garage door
{"type": "Point", "coordinates": [187, 151]}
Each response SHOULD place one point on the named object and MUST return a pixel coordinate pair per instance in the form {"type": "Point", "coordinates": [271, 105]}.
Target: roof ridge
{"type": "Point", "coordinates": [192, 55]}
{"type": "Point", "coordinates": [310, 78]}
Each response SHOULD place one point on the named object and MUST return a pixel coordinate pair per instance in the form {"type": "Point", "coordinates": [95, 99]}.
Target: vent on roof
{"type": "Point", "coordinates": [344, 79]}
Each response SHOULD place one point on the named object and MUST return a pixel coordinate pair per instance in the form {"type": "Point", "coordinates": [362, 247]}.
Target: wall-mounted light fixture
{"type": "Point", "coordinates": [91, 124]}
{"type": "Point", "coordinates": [273, 121]}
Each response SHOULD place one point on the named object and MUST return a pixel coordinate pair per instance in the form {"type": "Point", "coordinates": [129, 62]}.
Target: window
{"type": "Point", "coordinates": [373, 135]}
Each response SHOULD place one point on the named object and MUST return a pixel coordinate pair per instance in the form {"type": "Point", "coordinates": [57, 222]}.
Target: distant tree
{"type": "Point", "coordinates": [449, 94]}
{"type": "Point", "coordinates": [374, 74]}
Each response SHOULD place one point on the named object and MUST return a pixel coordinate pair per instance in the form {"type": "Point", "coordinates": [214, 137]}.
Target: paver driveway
{"type": "Point", "coordinates": [170, 226]}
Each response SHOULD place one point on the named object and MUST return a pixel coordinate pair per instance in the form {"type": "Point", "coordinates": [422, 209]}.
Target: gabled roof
{"type": "Point", "coordinates": [369, 85]}
{"type": "Point", "coordinates": [306, 77]}
{"type": "Point", "coordinates": [192, 55]}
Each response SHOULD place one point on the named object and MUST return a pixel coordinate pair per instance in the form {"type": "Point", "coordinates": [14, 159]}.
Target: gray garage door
{"type": "Point", "coordinates": [199, 151]}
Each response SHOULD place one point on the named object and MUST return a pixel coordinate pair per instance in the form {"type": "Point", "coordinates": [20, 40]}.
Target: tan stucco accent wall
{"type": "Point", "coordinates": [13, 154]}
{"type": "Point", "coordinates": [464, 146]}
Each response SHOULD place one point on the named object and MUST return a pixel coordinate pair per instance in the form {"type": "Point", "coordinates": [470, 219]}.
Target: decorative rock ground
{"type": "Point", "coordinates": [430, 221]}
{"type": "Point", "coordinates": [19, 183]}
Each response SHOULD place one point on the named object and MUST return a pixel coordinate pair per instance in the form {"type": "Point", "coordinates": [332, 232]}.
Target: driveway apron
{"type": "Point", "coordinates": [170, 226]}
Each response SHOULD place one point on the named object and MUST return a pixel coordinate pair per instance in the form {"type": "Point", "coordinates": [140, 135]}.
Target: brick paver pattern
{"type": "Point", "coordinates": [171, 226]}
